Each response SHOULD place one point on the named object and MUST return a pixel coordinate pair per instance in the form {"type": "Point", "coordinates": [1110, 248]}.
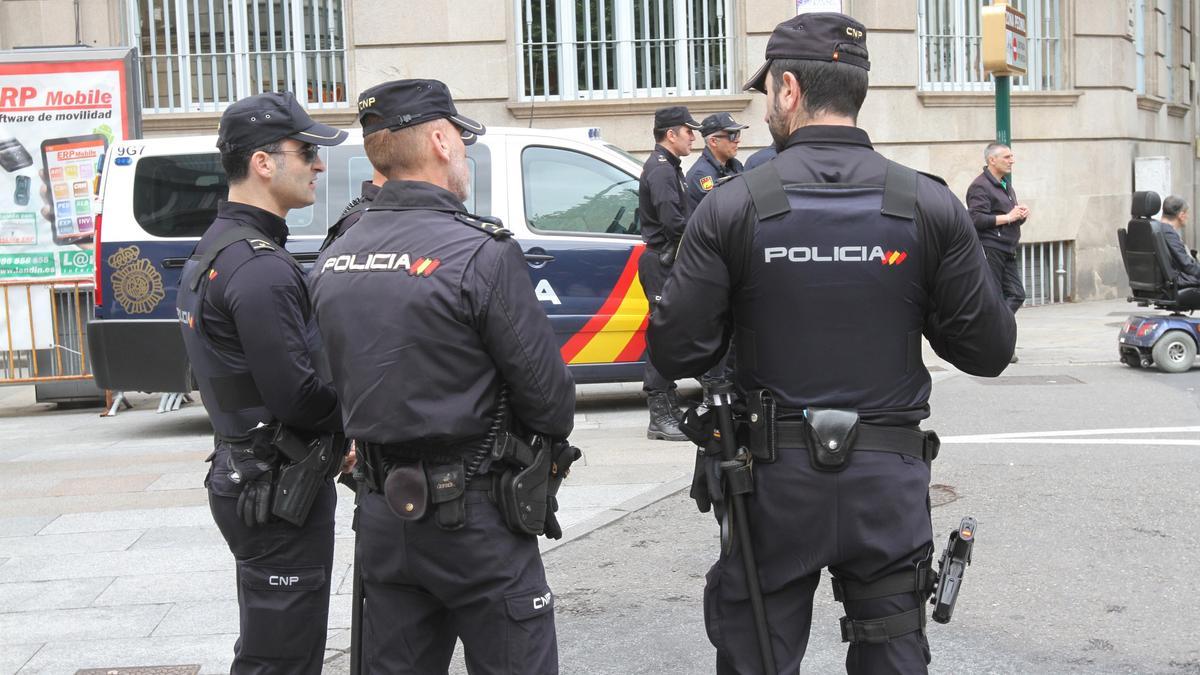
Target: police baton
{"type": "Point", "coordinates": [356, 621]}
{"type": "Point", "coordinates": [735, 472]}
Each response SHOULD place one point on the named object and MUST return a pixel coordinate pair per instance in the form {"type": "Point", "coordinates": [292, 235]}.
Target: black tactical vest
{"type": "Point", "coordinates": [832, 310]}
{"type": "Point", "coordinates": [230, 396]}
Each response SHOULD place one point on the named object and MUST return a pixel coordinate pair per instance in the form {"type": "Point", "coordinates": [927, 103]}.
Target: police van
{"type": "Point", "coordinates": [569, 198]}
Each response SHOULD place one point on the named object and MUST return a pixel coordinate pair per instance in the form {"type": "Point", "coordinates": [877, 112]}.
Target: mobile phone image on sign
{"type": "Point", "coordinates": [72, 163]}
{"type": "Point", "coordinates": [21, 194]}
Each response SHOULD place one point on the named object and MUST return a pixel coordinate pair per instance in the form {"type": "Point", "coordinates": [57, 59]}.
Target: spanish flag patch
{"type": "Point", "coordinates": [706, 183]}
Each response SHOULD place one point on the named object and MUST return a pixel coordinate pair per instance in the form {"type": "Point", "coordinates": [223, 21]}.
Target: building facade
{"type": "Point", "coordinates": [1106, 107]}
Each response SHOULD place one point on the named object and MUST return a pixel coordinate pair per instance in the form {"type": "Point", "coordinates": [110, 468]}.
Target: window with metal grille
{"type": "Point", "coordinates": [951, 50]}
{"type": "Point", "coordinates": [201, 55]}
{"type": "Point", "coordinates": [1047, 272]}
{"type": "Point", "coordinates": [597, 49]}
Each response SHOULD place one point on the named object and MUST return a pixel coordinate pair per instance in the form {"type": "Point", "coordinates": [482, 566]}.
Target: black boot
{"type": "Point", "coordinates": [664, 425]}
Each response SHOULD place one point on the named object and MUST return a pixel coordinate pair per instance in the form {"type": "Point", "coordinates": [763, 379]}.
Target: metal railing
{"type": "Point", "coordinates": [600, 49]}
{"type": "Point", "coordinates": [951, 50]}
{"type": "Point", "coordinates": [43, 330]}
{"type": "Point", "coordinates": [202, 55]}
{"type": "Point", "coordinates": [1047, 272]}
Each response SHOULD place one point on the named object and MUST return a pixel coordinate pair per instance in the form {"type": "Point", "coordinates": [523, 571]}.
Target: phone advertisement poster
{"type": "Point", "coordinates": [60, 110]}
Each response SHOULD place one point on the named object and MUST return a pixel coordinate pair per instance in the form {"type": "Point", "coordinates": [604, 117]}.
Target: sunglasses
{"type": "Point", "coordinates": [732, 136]}
{"type": "Point", "coordinates": [308, 153]}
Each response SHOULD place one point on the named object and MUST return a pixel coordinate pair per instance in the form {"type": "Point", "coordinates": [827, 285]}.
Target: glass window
{"type": "Point", "coordinates": [587, 49]}
{"type": "Point", "coordinates": [951, 49]}
{"type": "Point", "coordinates": [201, 55]}
{"type": "Point", "coordinates": [568, 191]}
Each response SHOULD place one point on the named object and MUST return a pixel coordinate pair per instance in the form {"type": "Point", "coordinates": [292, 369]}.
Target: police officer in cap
{"type": "Point", "coordinates": [245, 315]}
{"type": "Point", "coordinates": [722, 134]}
{"type": "Point", "coordinates": [663, 212]}
{"type": "Point", "coordinates": [435, 337]}
{"type": "Point", "coordinates": [828, 291]}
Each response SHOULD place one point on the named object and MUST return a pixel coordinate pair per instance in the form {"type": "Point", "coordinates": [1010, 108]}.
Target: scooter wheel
{"type": "Point", "coordinates": [1175, 352]}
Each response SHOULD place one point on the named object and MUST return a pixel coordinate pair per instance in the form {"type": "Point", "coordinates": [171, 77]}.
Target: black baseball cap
{"type": "Point", "coordinates": [720, 122]}
{"type": "Point", "coordinates": [674, 116]}
{"type": "Point", "coordinates": [816, 36]}
{"type": "Point", "coordinates": [264, 118]}
{"type": "Point", "coordinates": [405, 103]}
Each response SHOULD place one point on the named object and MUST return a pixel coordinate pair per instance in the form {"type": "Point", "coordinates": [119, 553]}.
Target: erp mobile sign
{"type": "Point", "coordinates": [60, 110]}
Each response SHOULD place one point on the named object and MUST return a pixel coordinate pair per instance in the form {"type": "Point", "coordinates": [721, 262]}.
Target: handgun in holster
{"type": "Point", "coordinates": [526, 489]}
{"type": "Point", "coordinates": [953, 563]}
{"type": "Point", "coordinates": [308, 463]}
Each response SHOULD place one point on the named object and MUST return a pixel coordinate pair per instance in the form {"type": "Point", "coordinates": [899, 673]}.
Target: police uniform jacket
{"type": "Point", "coordinates": [705, 174]}
{"type": "Point", "coordinates": [351, 213]}
{"type": "Point", "coordinates": [256, 318]}
{"type": "Point", "coordinates": [825, 329]}
{"type": "Point", "coordinates": [988, 197]}
{"type": "Point", "coordinates": [425, 312]}
{"type": "Point", "coordinates": [662, 207]}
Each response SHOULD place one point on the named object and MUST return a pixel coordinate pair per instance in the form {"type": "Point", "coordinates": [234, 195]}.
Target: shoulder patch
{"type": "Point", "coordinates": [261, 245]}
{"type": "Point", "coordinates": [934, 177]}
{"type": "Point", "coordinates": [492, 226]}
{"type": "Point", "coordinates": [706, 183]}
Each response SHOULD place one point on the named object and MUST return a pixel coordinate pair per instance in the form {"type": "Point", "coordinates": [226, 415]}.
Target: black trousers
{"type": "Point", "coordinates": [282, 580]}
{"type": "Point", "coordinates": [864, 523]}
{"type": "Point", "coordinates": [1007, 275]}
{"type": "Point", "coordinates": [425, 587]}
{"type": "Point", "coordinates": [653, 274]}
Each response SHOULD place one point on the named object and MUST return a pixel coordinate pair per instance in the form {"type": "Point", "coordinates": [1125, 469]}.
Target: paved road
{"type": "Point", "coordinates": [1079, 470]}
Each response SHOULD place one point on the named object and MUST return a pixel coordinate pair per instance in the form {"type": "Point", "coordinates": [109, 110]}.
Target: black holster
{"type": "Point", "coordinates": [522, 489]}
{"type": "Point", "coordinates": [307, 463]}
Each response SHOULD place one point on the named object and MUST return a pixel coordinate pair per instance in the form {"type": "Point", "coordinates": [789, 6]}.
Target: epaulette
{"type": "Point", "coordinates": [262, 245]}
{"type": "Point", "coordinates": [937, 178]}
{"type": "Point", "coordinates": [725, 179]}
{"type": "Point", "coordinates": [489, 224]}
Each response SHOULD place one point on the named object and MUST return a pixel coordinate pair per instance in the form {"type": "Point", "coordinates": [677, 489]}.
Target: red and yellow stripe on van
{"type": "Point", "coordinates": [617, 333]}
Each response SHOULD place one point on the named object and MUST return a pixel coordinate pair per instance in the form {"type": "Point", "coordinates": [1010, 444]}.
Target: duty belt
{"type": "Point", "coordinates": [873, 437]}
{"type": "Point", "coordinates": [378, 458]}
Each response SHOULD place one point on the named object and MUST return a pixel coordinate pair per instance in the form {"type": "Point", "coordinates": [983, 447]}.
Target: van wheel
{"type": "Point", "coordinates": [1174, 352]}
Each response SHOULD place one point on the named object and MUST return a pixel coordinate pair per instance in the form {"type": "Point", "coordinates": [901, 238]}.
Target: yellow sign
{"type": "Point", "coordinates": [1005, 41]}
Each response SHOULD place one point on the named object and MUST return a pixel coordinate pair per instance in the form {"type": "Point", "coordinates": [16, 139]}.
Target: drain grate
{"type": "Point", "coordinates": [941, 495]}
{"type": "Point", "coordinates": [143, 670]}
{"type": "Point", "coordinates": [1027, 380]}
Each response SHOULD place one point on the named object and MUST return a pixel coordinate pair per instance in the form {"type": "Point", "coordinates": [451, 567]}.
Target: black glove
{"type": "Point", "coordinates": [256, 476]}
{"type": "Point", "coordinates": [562, 456]}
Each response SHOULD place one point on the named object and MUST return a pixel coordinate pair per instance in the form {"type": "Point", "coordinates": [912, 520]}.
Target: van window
{"type": "Point", "coordinates": [348, 167]}
{"type": "Point", "coordinates": [567, 191]}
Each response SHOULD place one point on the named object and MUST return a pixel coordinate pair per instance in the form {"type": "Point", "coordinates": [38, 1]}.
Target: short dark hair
{"type": "Point", "coordinates": [660, 134]}
{"type": "Point", "coordinates": [237, 162]}
{"type": "Point", "coordinates": [828, 87]}
{"type": "Point", "coordinates": [1172, 206]}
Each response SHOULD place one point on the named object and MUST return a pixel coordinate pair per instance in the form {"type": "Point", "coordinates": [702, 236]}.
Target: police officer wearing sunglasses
{"type": "Point", "coordinates": [246, 319]}
{"type": "Point", "coordinates": [722, 134]}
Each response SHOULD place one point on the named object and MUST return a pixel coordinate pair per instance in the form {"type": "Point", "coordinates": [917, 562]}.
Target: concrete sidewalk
{"type": "Point", "coordinates": [109, 557]}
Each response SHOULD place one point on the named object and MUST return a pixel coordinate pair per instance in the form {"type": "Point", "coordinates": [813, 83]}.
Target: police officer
{"type": "Point", "coordinates": [829, 291]}
{"type": "Point", "coordinates": [722, 134]}
{"type": "Point", "coordinates": [663, 212]}
{"type": "Point", "coordinates": [245, 316]}
{"type": "Point", "coordinates": [354, 209]}
{"type": "Point", "coordinates": [761, 156]}
{"type": "Point", "coordinates": [429, 316]}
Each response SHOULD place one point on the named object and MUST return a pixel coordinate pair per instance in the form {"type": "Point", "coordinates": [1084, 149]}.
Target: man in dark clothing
{"type": "Point", "coordinates": [763, 155]}
{"type": "Point", "coordinates": [722, 134]}
{"type": "Point", "coordinates": [827, 291]}
{"type": "Point", "coordinates": [998, 218]}
{"type": "Point", "coordinates": [245, 315]}
{"type": "Point", "coordinates": [1176, 214]}
{"type": "Point", "coordinates": [663, 212]}
{"type": "Point", "coordinates": [437, 345]}
{"type": "Point", "coordinates": [354, 209]}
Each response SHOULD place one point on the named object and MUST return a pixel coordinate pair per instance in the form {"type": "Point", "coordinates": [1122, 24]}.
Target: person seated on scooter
{"type": "Point", "coordinates": [1176, 214]}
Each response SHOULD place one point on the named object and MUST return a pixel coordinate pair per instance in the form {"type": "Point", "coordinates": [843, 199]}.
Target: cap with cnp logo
{"type": "Point", "coordinates": [265, 118]}
{"type": "Point", "coordinates": [720, 122]}
{"type": "Point", "coordinates": [674, 116]}
{"type": "Point", "coordinates": [405, 103]}
{"type": "Point", "coordinates": [817, 36]}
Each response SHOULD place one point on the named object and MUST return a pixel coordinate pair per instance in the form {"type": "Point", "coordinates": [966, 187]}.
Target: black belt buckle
{"type": "Point", "coordinates": [830, 435]}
